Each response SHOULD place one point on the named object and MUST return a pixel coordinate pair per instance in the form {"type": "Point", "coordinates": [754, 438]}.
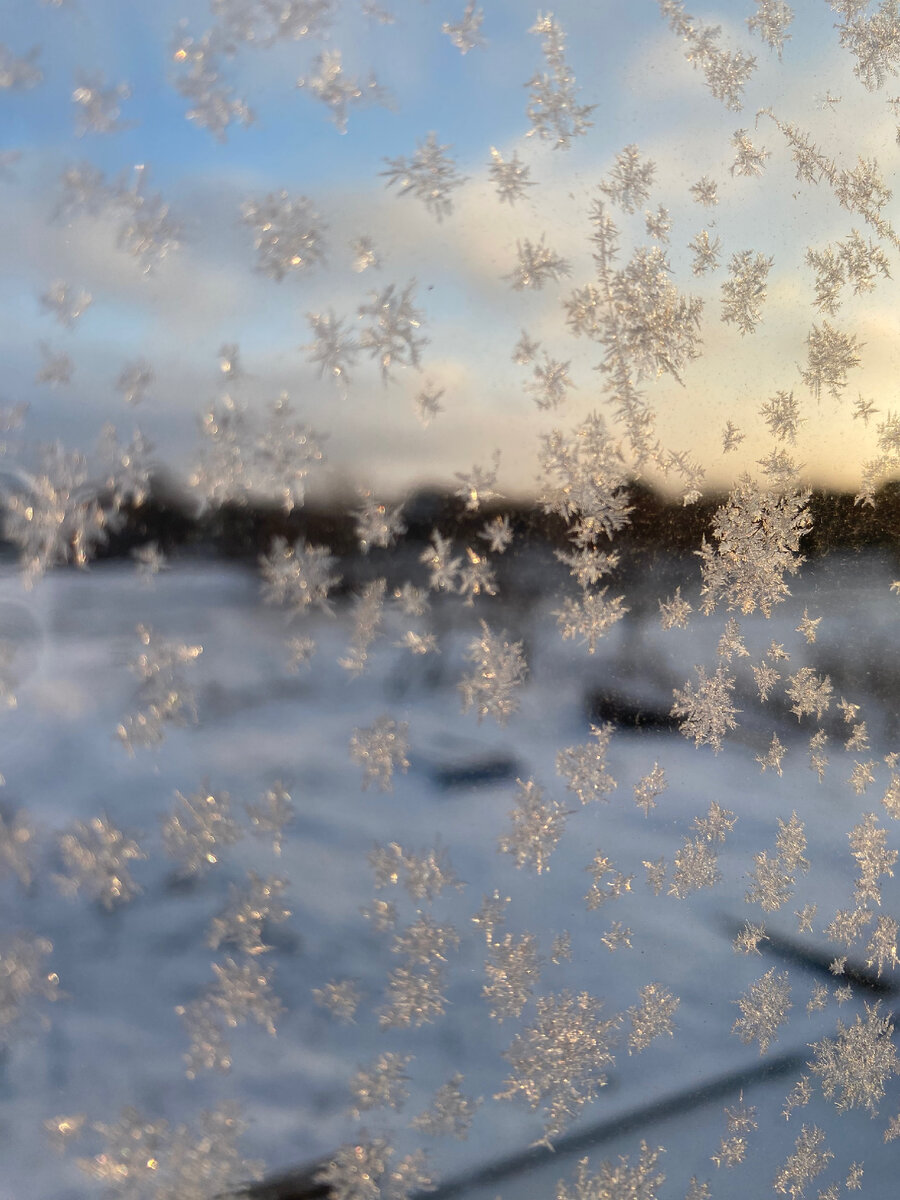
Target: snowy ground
{"type": "Point", "coordinates": [114, 1039]}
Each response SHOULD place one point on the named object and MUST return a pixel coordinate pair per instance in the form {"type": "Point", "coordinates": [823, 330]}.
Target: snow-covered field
{"type": "Point", "coordinates": [114, 1039]}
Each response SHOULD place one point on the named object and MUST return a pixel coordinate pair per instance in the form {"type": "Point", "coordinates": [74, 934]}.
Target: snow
{"type": "Point", "coordinates": [114, 1039]}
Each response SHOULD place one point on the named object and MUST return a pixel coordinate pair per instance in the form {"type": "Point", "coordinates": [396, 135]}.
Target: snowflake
{"type": "Point", "coordinates": [381, 1084]}
{"type": "Point", "coordinates": [288, 234]}
{"type": "Point", "coordinates": [57, 368]}
{"type": "Point", "coordinates": [64, 303]}
{"type": "Point", "coordinates": [705, 191]}
{"type": "Point", "coordinates": [758, 534]}
{"type": "Point", "coordinates": [241, 993]}
{"type": "Point", "coordinates": [164, 695]}
{"type": "Point", "coordinates": [584, 767]}
{"type": "Point", "coordinates": [748, 939]}
{"type": "Point", "coordinates": [340, 997]}
{"type": "Point", "coordinates": [500, 669]}
{"type": "Point", "coordinates": [552, 109]}
{"type": "Point", "coordinates": [95, 857]}
{"type": "Point", "coordinates": [537, 263]}
{"type": "Point", "coordinates": [674, 613]}
{"type": "Point", "coordinates": [17, 846]}
{"type": "Point", "coordinates": [134, 380]}
{"type": "Point", "coordinates": [476, 487]}
{"type": "Point", "coordinates": [513, 970]}
{"type": "Point", "coordinates": [430, 175]}
{"type": "Point", "coordinates": [808, 1160]}
{"type": "Point", "coordinates": [498, 534]}
{"type": "Point", "coordinates": [451, 1113]}
{"type": "Point", "coordinates": [744, 293]}
{"type": "Point", "coordinates": [333, 350]}
{"type": "Point", "coordinates": [726, 72]}
{"type": "Point", "coordinates": [706, 709]}
{"type": "Point", "coordinates": [379, 750]}
{"type": "Point", "coordinates": [23, 979]}
{"type": "Point", "coordinates": [590, 617]}
{"type": "Point", "coordinates": [560, 1060]}
{"type": "Point", "coordinates": [19, 74]}
{"type": "Point", "coordinates": [364, 254]}
{"type": "Point", "coordinates": [240, 925]}
{"type": "Point", "coordinates": [652, 1018]}
{"type": "Point", "coordinates": [810, 693]}
{"type": "Point", "coordinates": [297, 576]}
{"type": "Point", "coordinates": [391, 336]}
{"type": "Point", "coordinates": [199, 829]}
{"type": "Point", "coordinates": [749, 159]}
{"type": "Point", "coordinates": [764, 1007]}
{"type": "Point", "coordinates": [550, 383]}
{"type": "Point", "coordinates": [428, 404]}
{"type": "Point", "coordinates": [831, 354]}
{"type": "Point", "coordinates": [465, 34]}
{"type": "Point", "coordinates": [630, 180]}
{"type": "Point", "coordinates": [511, 179]}
{"type": "Point", "coordinates": [330, 84]}
{"type": "Point", "coordinates": [706, 253]}
{"type": "Point", "coordinates": [647, 789]}
{"type": "Point", "coordinates": [770, 22]}
{"type": "Point", "coordinates": [537, 827]}
{"type": "Point", "coordinates": [586, 478]}
{"type": "Point", "coordinates": [621, 1181]}
{"type": "Point", "coordinates": [98, 108]}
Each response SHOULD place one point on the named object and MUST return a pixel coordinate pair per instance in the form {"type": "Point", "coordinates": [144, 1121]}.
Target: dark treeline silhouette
{"type": "Point", "coordinates": [658, 525]}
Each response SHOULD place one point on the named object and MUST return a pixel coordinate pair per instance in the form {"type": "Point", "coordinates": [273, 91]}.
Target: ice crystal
{"type": "Point", "coordinates": [500, 670]}
{"type": "Point", "coordinates": [552, 108]}
{"type": "Point", "coordinates": [830, 355]}
{"type": "Point", "coordinates": [272, 813]}
{"type": "Point", "coordinates": [165, 697]}
{"type": "Point", "coordinates": [64, 303]}
{"type": "Point", "coordinates": [705, 191]}
{"type": "Point", "coordinates": [658, 224]}
{"type": "Point", "coordinates": [297, 576]}
{"type": "Point", "coordinates": [810, 1158]}
{"type": "Point", "coordinates": [23, 980]}
{"type": "Point", "coordinates": [620, 1181]}
{"type": "Point", "coordinates": [365, 256]}
{"type": "Point", "coordinates": [199, 829]}
{"type": "Point", "coordinates": [706, 709]}
{"type": "Point", "coordinates": [142, 1158]}
{"type": "Point", "coordinates": [19, 74]}
{"type": "Point", "coordinates": [584, 767]}
{"type": "Point", "coordinates": [628, 183]}
{"type": "Point", "coordinates": [249, 908]}
{"type": "Point", "coordinates": [537, 827]}
{"type": "Point", "coordinates": [332, 350]}
{"type": "Point", "coordinates": [288, 234]}
{"type": "Point", "coordinates": [451, 1113]}
{"type": "Point", "coordinates": [331, 85]}
{"type": "Point", "coordinates": [758, 534]}
{"type": "Point", "coordinates": [764, 1008]}
{"type": "Point", "coordinates": [430, 175]}
{"type": "Point", "coordinates": [559, 1061]}
{"type": "Point", "coordinates": [537, 263]}
{"type": "Point", "coordinates": [511, 179]}
{"type": "Point", "coordinates": [727, 72]}
{"type": "Point", "coordinates": [652, 1018]}
{"type": "Point", "coordinates": [647, 789]}
{"type": "Point", "coordinates": [391, 337]}
{"type": "Point", "coordinates": [379, 750]}
{"type": "Point", "coordinates": [513, 970]}
{"type": "Point", "coordinates": [771, 21]}
{"type": "Point", "coordinates": [749, 159]}
{"type": "Point", "coordinates": [744, 292]}
{"type": "Point", "coordinates": [590, 616]}
{"type": "Point", "coordinates": [381, 1084]}
{"type": "Point", "coordinates": [341, 997]}
{"type": "Point", "coordinates": [465, 34]}
{"type": "Point", "coordinates": [241, 993]}
{"type": "Point", "coordinates": [98, 107]}
{"type": "Point", "coordinates": [476, 487]}
{"type": "Point", "coordinates": [706, 253]}
{"type": "Point", "coordinates": [95, 857]}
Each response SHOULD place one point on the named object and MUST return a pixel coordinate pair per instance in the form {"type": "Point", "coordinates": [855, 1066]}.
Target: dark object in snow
{"type": "Point", "coordinates": [624, 712]}
{"type": "Point", "coordinates": [481, 772]}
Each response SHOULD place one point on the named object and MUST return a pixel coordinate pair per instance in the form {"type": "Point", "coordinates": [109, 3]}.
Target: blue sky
{"type": "Point", "coordinates": [625, 61]}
